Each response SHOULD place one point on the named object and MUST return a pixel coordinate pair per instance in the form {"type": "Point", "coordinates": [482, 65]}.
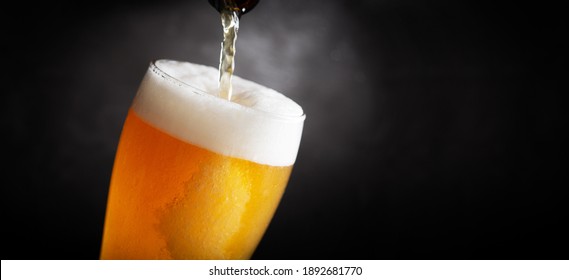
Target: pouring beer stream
{"type": "Point", "coordinates": [231, 11]}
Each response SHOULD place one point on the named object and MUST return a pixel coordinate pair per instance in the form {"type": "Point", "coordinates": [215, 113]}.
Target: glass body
{"type": "Point", "coordinates": [170, 198]}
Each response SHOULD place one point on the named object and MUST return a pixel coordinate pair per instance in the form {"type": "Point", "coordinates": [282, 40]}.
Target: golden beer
{"type": "Point", "coordinates": [196, 176]}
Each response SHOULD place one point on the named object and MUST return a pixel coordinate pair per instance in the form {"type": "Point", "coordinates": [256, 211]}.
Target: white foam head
{"type": "Point", "coordinates": [259, 124]}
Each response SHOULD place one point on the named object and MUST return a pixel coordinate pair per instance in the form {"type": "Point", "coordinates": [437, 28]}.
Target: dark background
{"type": "Point", "coordinates": [434, 130]}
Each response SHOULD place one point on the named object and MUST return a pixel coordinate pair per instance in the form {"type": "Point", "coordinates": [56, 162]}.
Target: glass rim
{"type": "Point", "coordinates": [169, 78]}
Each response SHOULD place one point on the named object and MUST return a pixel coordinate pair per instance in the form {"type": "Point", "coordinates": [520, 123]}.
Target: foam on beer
{"type": "Point", "coordinates": [259, 124]}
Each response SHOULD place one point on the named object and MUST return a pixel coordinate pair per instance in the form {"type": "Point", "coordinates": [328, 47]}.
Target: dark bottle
{"type": "Point", "coordinates": [239, 6]}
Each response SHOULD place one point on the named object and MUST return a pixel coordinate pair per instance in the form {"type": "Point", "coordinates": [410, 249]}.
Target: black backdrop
{"type": "Point", "coordinates": [434, 130]}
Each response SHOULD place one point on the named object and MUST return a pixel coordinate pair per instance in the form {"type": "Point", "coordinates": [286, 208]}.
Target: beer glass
{"type": "Point", "coordinates": [197, 176]}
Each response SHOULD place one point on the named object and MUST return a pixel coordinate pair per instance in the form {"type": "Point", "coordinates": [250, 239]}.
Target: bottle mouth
{"type": "Point", "coordinates": [240, 7]}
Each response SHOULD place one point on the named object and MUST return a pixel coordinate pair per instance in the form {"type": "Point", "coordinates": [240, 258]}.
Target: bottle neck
{"type": "Point", "coordinates": [241, 7]}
